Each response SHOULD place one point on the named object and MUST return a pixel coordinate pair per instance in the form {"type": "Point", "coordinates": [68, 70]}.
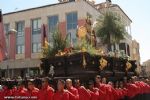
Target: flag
{"type": "Point", "coordinates": [45, 42]}
{"type": "Point", "coordinates": [3, 49]}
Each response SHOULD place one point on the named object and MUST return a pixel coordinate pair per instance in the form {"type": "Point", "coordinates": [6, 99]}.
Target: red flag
{"type": "Point", "coordinates": [2, 39]}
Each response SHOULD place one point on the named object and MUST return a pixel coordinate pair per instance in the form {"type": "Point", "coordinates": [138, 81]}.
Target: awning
{"type": "Point", "coordinates": [17, 64]}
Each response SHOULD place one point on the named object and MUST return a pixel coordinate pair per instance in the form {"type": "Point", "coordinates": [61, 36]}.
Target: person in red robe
{"type": "Point", "coordinates": [97, 81]}
{"type": "Point", "coordinates": [104, 80]}
{"type": "Point", "coordinates": [83, 93]}
{"type": "Point", "coordinates": [111, 92]}
{"type": "Point", "coordinates": [101, 87]}
{"type": "Point", "coordinates": [61, 94]}
{"type": "Point", "coordinates": [1, 92]}
{"type": "Point", "coordinates": [5, 93]}
{"type": "Point", "coordinates": [132, 90]}
{"type": "Point", "coordinates": [74, 95]}
{"type": "Point", "coordinates": [14, 89]}
{"type": "Point", "coordinates": [123, 90]}
{"type": "Point", "coordinates": [93, 91]}
{"type": "Point", "coordinates": [21, 92]}
{"type": "Point", "coordinates": [47, 92]}
{"type": "Point", "coordinates": [147, 81]}
{"type": "Point", "coordinates": [33, 92]}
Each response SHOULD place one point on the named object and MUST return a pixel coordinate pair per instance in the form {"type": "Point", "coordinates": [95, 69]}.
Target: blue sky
{"type": "Point", "coordinates": [137, 10]}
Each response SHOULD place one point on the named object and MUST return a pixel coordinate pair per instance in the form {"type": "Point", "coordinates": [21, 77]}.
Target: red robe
{"type": "Point", "coordinates": [144, 87]}
{"type": "Point", "coordinates": [33, 94]}
{"type": "Point", "coordinates": [111, 93]}
{"type": "Point", "coordinates": [132, 90]}
{"type": "Point", "coordinates": [94, 94]}
{"type": "Point", "coordinates": [74, 95]}
{"type": "Point", "coordinates": [120, 93]}
{"type": "Point", "coordinates": [103, 88]}
{"type": "Point", "coordinates": [140, 86]}
{"type": "Point", "coordinates": [64, 95]}
{"type": "Point", "coordinates": [4, 93]}
{"type": "Point", "coordinates": [1, 96]}
{"type": "Point", "coordinates": [124, 92]}
{"type": "Point", "coordinates": [20, 93]}
{"type": "Point", "coordinates": [108, 92]}
{"type": "Point", "coordinates": [101, 95]}
{"type": "Point", "coordinates": [46, 93]}
{"type": "Point", "coordinates": [83, 93]}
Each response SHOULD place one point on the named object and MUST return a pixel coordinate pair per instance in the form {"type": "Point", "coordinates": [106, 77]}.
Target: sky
{"type": "Point", "coordinates": [137, 10]}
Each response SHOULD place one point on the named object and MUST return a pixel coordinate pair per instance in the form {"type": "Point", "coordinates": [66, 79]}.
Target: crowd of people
{"type": "Point", "coordinates": [96, 89]}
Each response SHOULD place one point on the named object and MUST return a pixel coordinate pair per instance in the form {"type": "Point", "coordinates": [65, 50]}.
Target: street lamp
{"type": "Point", "coordinates": [12, 31]}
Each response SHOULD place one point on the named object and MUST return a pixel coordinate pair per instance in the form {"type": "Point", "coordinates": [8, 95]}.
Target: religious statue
{"type": "Point", "coordinates": [90, 36]}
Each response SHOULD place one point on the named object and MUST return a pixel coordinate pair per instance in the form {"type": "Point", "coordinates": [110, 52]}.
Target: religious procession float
{"type": "Point", "coordinates": [83, 60]}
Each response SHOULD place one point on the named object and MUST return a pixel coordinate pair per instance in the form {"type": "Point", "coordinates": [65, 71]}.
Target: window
{"type": "Point", "coordinates": [36, 26]}
{"type": "Point", "coordinates": [128, 50]}
{"type": "Point", "coordinates": [36, 47]}
{"type": "Point", "coordinates": [20, 37]}
{"type": "Point", "coordinates": [36, 35]}
{"type": "Point", "coordinates": [71, 20]}
{"type": "Point", "coordinates": [6, 28]}
{"type": "Point", "coordinates": [52, 21]}
{"type": "Point", "coordinates": [72, 26]}
{"type": "Point", "coordinates": [20, 28]}
{"type": "Point", "coordinates": [20, 49]}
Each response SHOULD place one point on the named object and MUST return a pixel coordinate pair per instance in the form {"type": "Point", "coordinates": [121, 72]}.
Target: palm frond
{"type": "Point", "coordinates": [110, 28]}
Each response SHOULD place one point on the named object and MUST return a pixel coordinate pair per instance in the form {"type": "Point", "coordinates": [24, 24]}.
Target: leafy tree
{"type": "Point", "coordinates": [110, 29]}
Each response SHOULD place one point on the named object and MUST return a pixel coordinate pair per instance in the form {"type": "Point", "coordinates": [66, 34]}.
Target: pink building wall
{"type": "Point", "coordinates": [27, 42]}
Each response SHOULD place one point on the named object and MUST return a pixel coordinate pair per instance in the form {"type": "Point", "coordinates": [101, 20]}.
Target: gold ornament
{"type": "Point", "coordinates": [84, 61]}
{"type": "Point", "coordinates": [103, 63]}
{"type": "Point", "coordinates": [128, 66]}
{"type": "Point", "coordinates": [83, 49]}
{"type": "Point", "coordinates": [82, 32]}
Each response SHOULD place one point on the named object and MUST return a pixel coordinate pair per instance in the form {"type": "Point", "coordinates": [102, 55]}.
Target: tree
{"type": "Point", "coordinates": [59, 43]}
{"type": "Point", "coordinates": [110, 29]}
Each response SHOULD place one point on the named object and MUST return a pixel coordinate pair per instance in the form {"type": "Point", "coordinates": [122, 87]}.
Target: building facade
{"type": "Point", "coordinates": [136, 54]}
{"type": "Point", "coordinates": [146, 68]}
{"type": "Point", "coordinates": [24, 46]}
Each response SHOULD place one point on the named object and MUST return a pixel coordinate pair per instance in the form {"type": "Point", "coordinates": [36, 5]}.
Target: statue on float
{"type": "Point", "coordinates": [87, 32]}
